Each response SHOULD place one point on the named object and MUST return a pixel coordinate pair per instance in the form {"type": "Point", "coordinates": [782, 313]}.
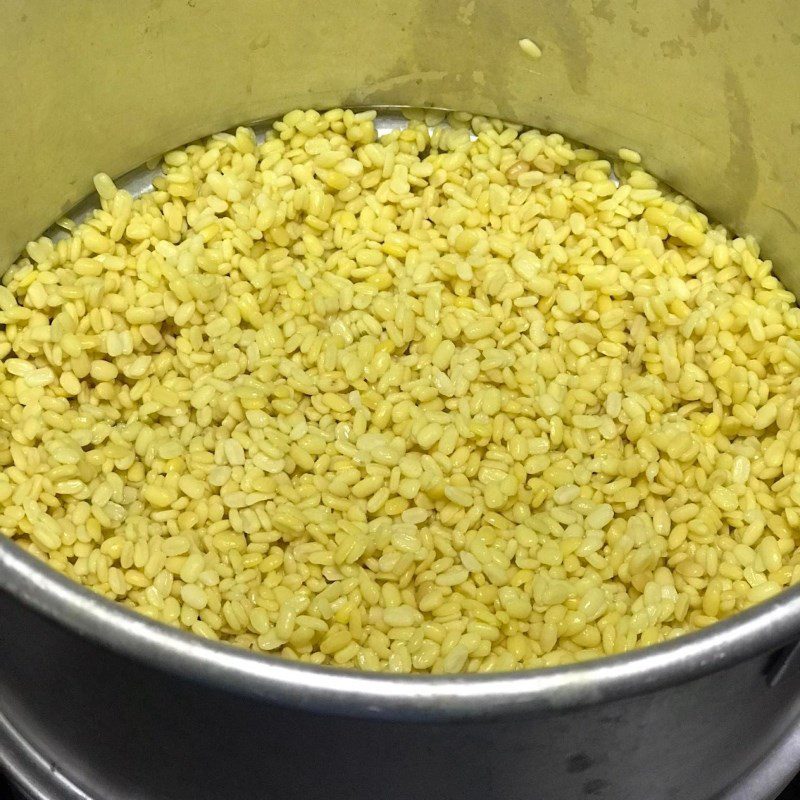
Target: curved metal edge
{"type": "Point", "coordinates": [31, 772]}
{"type": "Point", "coordinates": [767, 779]}
{"type": "Point", "coordinates": [37, 778]}
{"type": "Point", "coordinates": [350, 693]}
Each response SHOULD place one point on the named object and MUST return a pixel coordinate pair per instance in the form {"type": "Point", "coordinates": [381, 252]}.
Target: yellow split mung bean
{"type": "Point", "coordinates": [461, 397]}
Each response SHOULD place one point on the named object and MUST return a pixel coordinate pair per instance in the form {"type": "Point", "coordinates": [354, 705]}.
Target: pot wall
{"type": "Point", "coordinates": [120, 728]}
{"type": "Point", "coordinates": [705, 89]}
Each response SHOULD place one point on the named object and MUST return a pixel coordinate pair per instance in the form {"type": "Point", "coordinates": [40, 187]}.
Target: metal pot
{"type": "Point", "coordinates": [98, 703]}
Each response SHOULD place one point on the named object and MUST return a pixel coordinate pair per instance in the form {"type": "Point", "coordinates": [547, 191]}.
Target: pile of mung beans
{"type": "Point", "coordinates": [462, 397]}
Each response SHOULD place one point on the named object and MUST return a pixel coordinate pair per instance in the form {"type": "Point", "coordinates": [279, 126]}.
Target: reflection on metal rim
{"type": "Point", "coordinates": [33, 774]}
{"type": "Point", "coordinates": [351, 693]}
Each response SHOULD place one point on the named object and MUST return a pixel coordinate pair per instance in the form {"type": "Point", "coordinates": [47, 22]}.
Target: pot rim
{"type": "Point", "coordinates": [379, 695]}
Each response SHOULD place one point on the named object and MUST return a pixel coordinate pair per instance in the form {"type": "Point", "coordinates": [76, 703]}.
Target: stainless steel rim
{"type": "Point", "coordinates": [31, 772]}
{"type": "Point", "coordinates": [383, 696]}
